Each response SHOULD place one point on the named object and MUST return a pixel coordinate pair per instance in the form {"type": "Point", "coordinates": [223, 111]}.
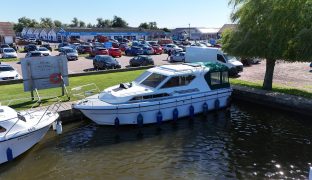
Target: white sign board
{"type": "Point", "coordinates": [44, 72]}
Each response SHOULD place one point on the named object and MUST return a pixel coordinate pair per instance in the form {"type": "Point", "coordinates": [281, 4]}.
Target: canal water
{"type": "Point", "coordinates": [243, 142]}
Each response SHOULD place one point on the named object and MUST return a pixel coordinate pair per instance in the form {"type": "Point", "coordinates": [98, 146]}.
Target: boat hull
{"type": "Point", "coordinates": [11, 148]}
{"type": "Point", "coordinates": [149, 111]}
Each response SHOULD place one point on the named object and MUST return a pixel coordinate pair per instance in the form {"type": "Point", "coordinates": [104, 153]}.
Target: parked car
{"type": "Point", "coordinates": [114, 52]}
{"type": "Point", "coordinates": [47, 46]}
{"type": "Point", "coordinates": [33, 54]}
{"type": "Point", "coordinates": [7, 72]}
{"type": "Point", "coordinates": [83, 49]}
{"type": "Point", "coordinates": [105, 62]}
{"type": "Point", "coordinates": [98, 51]}
{"type": "Point", "coordinates": [63, 45]}
{"type": "Point", "coordinates": [178, 57]}
{"type": "Point", "coordinates": [3, 46]}
{"type": "Point", "coordinates": [172, 47]}
{"type": "Point", "coordinates": [70, 53]}
{"type": "Point", "coordinates": [123, 47]}
{"type": "Point", "coordinates": [44, 51]}
{"type": "Point", "coordinates": [8, 53]}
{"type": "Point", "coordinates": [157, 49]}
{"type": "Point", "coordinates": [311, 65]}
{"type": "Point", "coordinates": [134, 51]}
{"type": "Point", "coordinates": [141, 60]}
{"type": "Point", "coordinates": [147, 50]}
{"type": "Point", "coordinates": [249, 61]}
{"type": "Point", "coordinates": [32, 40]}
{"type": "Point", "coordinates": [30, 47]}
{"type": "Point", "coordinates": [152, 43]}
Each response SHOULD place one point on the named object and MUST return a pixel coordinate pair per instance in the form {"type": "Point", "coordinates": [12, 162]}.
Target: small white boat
{"type": "Point", "coordinates": [19, 131]}
{"type": "Point", "coordinates": [161, 93]}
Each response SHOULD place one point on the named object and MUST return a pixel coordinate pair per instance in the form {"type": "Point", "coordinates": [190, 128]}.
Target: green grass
{"type": "Point", "coordinates": [9, 59]}
{"type": "Point", "coordinates": [276, 88]}
{"type": "Point", "coordinates": [103, 81]}
{"type": "Point", "coordinates": [83, 55]}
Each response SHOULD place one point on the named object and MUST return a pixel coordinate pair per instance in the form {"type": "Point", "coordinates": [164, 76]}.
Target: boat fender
{"type": "Point", "coordinates": [9, 154]}
{"type": "Point", "coordinates": [191, 111]}
{"type": "Point", "coordinates": [59, 128]}
{"type": "Point", "coordinates": [54, 125]}
{"type": "Point", "coordinates": [217, 104]}
{"type": "Point", "coordinates": [159, 118]}
{"type": "Point", "coordinates": [205, 108]}
{"type": "Point", "coordinates": [117, 122]}
{"type": "Point", "coordinates": [140, 120]}
{"type": "Point", "coordinates": [175, 114]}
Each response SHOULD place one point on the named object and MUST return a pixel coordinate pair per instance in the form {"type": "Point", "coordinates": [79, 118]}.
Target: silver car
{"type": "Point", "coordinates": [178, 57]}
{"type": "Point", "coordinates": [69, 52]}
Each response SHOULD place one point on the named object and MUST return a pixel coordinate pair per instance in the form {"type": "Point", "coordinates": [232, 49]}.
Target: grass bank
{"type": "Point", "coordinates": [276, 88]}
{"type": "Point", "coordinates": [9, 59]}
{"type": "Point", "coordinates": [103, 81]}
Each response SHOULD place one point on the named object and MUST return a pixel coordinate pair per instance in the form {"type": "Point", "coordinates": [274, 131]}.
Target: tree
{"type": "Point", "coordinates": [57, 23]}
{"type": "Point", "coordinates": [24, 22]}
{"type": "Point", "coordinates": [82, 24]}
{"type": "Point", "coordinates": [75, 22]}
{"type": "Point", "coordinates": [166, 30]}
{"type": "Point", "coordinates": [103, 23]}
{"type": "Point", "coordinates": [46, 23]}
{"type": "Point", "coordinates": [89, 25]}
{"type": "Point", "coordinates": [270, 29]}
{"type": "Point", "coordinates": [144, 26]}
{"type": "Point", "coordinates": [119, 22]}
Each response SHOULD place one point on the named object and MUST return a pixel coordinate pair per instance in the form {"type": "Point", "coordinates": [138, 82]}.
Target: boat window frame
{"type": "Point", "coordinates": [160, 82]}
{"type": "Point", "coordinates": [223, 80]}
{"type": "Point", "coordinates": [184, 75]}
{"type": "Point", "coordinates": [149, 96]}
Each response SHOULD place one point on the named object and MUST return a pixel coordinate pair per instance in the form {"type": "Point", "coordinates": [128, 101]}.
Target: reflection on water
{"type": "Point", "coordinates": [244, 142]}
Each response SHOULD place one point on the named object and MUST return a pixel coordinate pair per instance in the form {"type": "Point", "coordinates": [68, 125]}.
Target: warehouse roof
{"type": "Point", "coordinates": [6, 29]}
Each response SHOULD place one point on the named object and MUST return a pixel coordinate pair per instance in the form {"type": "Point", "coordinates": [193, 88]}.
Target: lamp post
{"type": "Point", "coordinates": [189, 32]}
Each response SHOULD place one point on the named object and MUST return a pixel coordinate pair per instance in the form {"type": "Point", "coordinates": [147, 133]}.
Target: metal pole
{"type": "Point", "coordinates": [189, 32]}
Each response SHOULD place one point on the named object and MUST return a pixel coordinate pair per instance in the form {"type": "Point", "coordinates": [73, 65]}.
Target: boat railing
{"type": "Point", "coordinates": [84, 91]}
{"type": "Point", "coordinates": [53, 108]}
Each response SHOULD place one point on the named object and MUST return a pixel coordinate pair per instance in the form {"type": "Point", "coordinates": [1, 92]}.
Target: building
{"type": "Point", "coordinates": [195, 33]}
{"type": "Point", "coordinates": [7, 34]}
{"type": "Point", "coordinates": [85, 34]}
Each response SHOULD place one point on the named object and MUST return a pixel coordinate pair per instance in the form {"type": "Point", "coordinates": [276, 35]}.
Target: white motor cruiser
{"type": "Point", "coordinates": [19, 131]}
{"type": "Point", "coordinates": [161, 93]}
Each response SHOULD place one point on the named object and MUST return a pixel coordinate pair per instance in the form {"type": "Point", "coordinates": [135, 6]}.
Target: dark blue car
{"type": "Point", "coordinates": [134, 51]}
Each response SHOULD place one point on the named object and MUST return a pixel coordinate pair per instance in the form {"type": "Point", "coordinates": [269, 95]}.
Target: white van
{"type": "Point", "coordinates": [204, 54]}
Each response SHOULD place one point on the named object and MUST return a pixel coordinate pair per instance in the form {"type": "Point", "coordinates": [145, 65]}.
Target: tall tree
{"type": "Point", "coordinates": [89, 25]}
{"type": "Point", "coordinates": [46, 23]}
{"type": "Point", "coordinates": [82, 24]}
{"type": "Point", "coordinates": [119, 22]}
{"type": "Point", "coordinates": [150, 25]}
{"type": "Point", "coordinates": [101, 23]}
{"type": "Point", "coordinates": [270, 29]}
{"type": "Point", "coordinates": [57, 23]}
{"type": "Point", "coordinates": [144, 25]}
{"type": "Point", "coordinates": [24, 22]}
{"type": "Point", "coordinates": [166, 29]}
{"type": "Point", "coordinates": [75, 22]}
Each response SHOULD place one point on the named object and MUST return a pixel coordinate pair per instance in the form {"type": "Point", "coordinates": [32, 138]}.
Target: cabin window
{"type": "Point", "coordinates": [225, 77]}
{"type": "Point", "coordinates": [178, 81]}
{"type": "Point", "coordinates": [220, 58]}
{"type": "Point", "coordinates": [215, 78]}
{"type": "Point", "coordinates": [153, 80]}
{"type": "Point", "coordinates": [153, 96]}
{"type": "Point", "coordinates": [2, 129]}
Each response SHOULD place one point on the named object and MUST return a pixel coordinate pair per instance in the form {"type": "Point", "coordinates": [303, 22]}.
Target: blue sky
{"type": "Point", "coordinates": [167, 13]}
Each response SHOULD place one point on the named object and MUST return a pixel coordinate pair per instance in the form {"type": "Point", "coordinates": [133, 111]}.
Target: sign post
{"type": "Point", "coordinates": [45, 73]}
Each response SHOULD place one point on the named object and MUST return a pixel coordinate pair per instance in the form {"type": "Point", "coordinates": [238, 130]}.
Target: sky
{"type": "Point", "coordinates": [167, 13]}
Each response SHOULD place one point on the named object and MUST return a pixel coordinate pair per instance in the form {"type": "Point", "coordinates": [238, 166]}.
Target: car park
{"type": "Point", "coordinates": [30, 47]}
{"type": "Point", "coordinates": [70, 53]}
{"type": "Point", "coordinates": [105, 62]}
{"type": "Point", "coordinates": [7, 72]}
{"type": "Point", "coordinates": [44, 51]}
{"type": "Point", "coordinates": [8, 53]}
{"type": "Point", "coordinates": [3, 46]}
{"type": "Point", "coordinates": [47, 46]}
{"type": "Point", "coordinates": [63, 45]}
{"type": "Point", "coordinates": [123, 47]}
{"type": "Point", "coordinates": [134, 51]}
{"type": "Point", "coordinates": [178, 57]}
{"type": "Point", "coordinates": [83, 49]}
{"type": "Point", "coordinates": [157, 49]}
{"type": "Point", "coordinates": [98, 51]}
{"type": "Point", "coordinates": [114, 52]}
{"type": "Point", "coordinates": [141, 60]}
{"type": "Point", "coordinates": [33, 54]}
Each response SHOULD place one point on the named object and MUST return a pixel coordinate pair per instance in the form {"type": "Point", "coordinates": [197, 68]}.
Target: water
{"type": "Point", "coordinates": [245, 142]}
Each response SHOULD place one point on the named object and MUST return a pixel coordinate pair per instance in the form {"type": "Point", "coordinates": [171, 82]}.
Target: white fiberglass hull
{"type": "Point", "coordinates": [20, 144]}
{"type": "Point", "coordinates": [128, 114]}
